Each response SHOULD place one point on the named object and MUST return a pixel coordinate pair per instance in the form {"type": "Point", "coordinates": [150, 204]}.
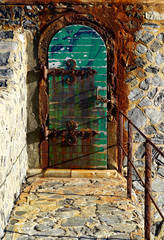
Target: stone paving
{"type": "Point", "coordinates": [75, 208]}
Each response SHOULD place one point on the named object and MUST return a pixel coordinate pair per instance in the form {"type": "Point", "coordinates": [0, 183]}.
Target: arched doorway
{"type": "Point", "coordinates": [44, 43]}
{"type": "Point", "coordinates": [77, 114]}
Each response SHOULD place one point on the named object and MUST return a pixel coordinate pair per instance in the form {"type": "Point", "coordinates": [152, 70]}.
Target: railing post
{"type": "Point", "coordinates": [130, 157]}
{"type": "Point", "coordinates": [120, 142]}
{"type": "Point", "coordinates": [148, 178]}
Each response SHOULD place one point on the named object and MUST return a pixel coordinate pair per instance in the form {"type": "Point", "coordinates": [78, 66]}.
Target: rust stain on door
{"type": "Point", "coordinates": [78, 56]}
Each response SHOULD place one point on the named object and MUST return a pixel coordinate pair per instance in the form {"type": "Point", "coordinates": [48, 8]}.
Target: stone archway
{"type": "Point", "coordinates": [108, 37]}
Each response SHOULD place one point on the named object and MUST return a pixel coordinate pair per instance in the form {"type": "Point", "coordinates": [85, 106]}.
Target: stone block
{"type": "Point", "coordinates": [149, 56]}
{"type": "Point", "coordinates": [111, 219]}
{"type": "Point", "coordinates": [157, 185]}
{"type": "Point", "coordinates": [140, 62]}
{"type": "Point", "coordinates": [140, 49]}
{"type": "Point", "coordinates": [157, 80]}
{"type": "Point", "coordinates": [152, 69]}
{"type": "Point", "coordinates": [155, 46]}
{"type": "Point", "coordinates": [145, 102]}
{"type": "Point", "coordinates": [75, 222]}
{"type": "Point", "coordinates": [152, 93]}
{"type": "Point", "coordinates": [137, 185]}
{"type": "Point", "coordinates": [154, 15]}
{"type": "Point", "coordinates": [151, 25]}
{"type": "Point", "coordinates": [6, 72]}
{"type": "Point", "coordinates": [134, 83]}
{"type": "Point", "coordinates": [135, 94]}
{"type": "Point", "coordinates": [154, 115]}
{"type": "Point", "coordinates": [130, 78]}
{"type": "Point", "coordinates": [146, 38]}
{"type": "Point", "coordinates": [137, 117]}
{"type": "Point", "coordinates": [141, 73]}
{"type": "Point", "coordinates": [161, 37]}
{"type": "Point", "coordinates": [150, 129]}
{"type": "Point", "coordinates": [158, 139]}
{"type": "Point", "coordinates": [138, 35]}
{"type": "Point", "coordinates": [159, 58]}
{"type": "Point", "coordinates": [8, 46]}
{"type": "Point", "coordinates": [159, 98]}
{"type": "Point", "coordinates": [160, 201]}
{"type": "Point", "coordinates": [4, 57]}
{"type": "Point", "coordinates": [144, 85]}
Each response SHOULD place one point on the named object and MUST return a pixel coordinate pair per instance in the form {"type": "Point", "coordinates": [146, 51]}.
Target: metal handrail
{"type": "Point", "coordinates": [148, 139]}
{"type": "Point", "coordinates": [130, 166]}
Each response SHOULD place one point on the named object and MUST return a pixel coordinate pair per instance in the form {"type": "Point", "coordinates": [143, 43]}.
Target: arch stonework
{"type": "Point", "coordinates": [108, 37]}
{"type": "Point", "coordinates": [55, 26]}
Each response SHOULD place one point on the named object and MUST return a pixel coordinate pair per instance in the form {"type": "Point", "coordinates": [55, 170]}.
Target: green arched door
{"type": "Point", "coordinates": [78, 120]}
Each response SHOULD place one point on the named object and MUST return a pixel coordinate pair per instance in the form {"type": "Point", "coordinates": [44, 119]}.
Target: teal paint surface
{"type": "Point", "coordinates": [78, 101]}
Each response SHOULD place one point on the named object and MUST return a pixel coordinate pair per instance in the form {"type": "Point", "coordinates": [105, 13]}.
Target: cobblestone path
{"type": "Point", "coordinates": [75, 208]}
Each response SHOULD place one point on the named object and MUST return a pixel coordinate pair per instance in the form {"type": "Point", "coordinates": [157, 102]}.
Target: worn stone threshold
{"type": "Point", "coordinates": [73, 173]}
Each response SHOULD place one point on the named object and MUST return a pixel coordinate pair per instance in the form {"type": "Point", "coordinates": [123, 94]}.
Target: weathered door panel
{"type": "Point", "coordinates": [75, 99]}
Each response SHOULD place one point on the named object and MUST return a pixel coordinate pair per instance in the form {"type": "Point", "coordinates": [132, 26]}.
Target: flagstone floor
{"type": "Point", "coordinates": [75, 208]}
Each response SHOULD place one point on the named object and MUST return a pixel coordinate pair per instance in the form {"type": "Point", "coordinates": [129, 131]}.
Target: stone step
{"type": "Point", "coordinates": [73, 173]}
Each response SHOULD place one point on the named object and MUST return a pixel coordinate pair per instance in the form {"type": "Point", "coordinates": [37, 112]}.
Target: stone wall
{"type": "Point", "coordinates": [13, 119]}
{"type": "Point", "coordinates": [146, 84]}
{"type": "Point", "coordinates": [145, 80]}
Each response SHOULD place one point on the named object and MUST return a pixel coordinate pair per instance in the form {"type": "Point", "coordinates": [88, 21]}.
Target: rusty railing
{"type": "Point", "coordinates": [130, 166]}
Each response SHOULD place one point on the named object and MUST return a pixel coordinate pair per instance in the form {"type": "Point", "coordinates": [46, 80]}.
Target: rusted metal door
{"type": "Point", "coordinates": [77, 99]}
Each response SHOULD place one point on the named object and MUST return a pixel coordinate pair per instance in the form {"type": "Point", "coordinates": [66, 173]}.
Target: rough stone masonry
{"type": "Point", "coordinates": [13, 119]}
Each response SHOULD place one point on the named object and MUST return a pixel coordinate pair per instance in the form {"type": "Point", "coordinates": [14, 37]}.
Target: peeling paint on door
{"type": "Point", "coordinates": [77, 100]}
